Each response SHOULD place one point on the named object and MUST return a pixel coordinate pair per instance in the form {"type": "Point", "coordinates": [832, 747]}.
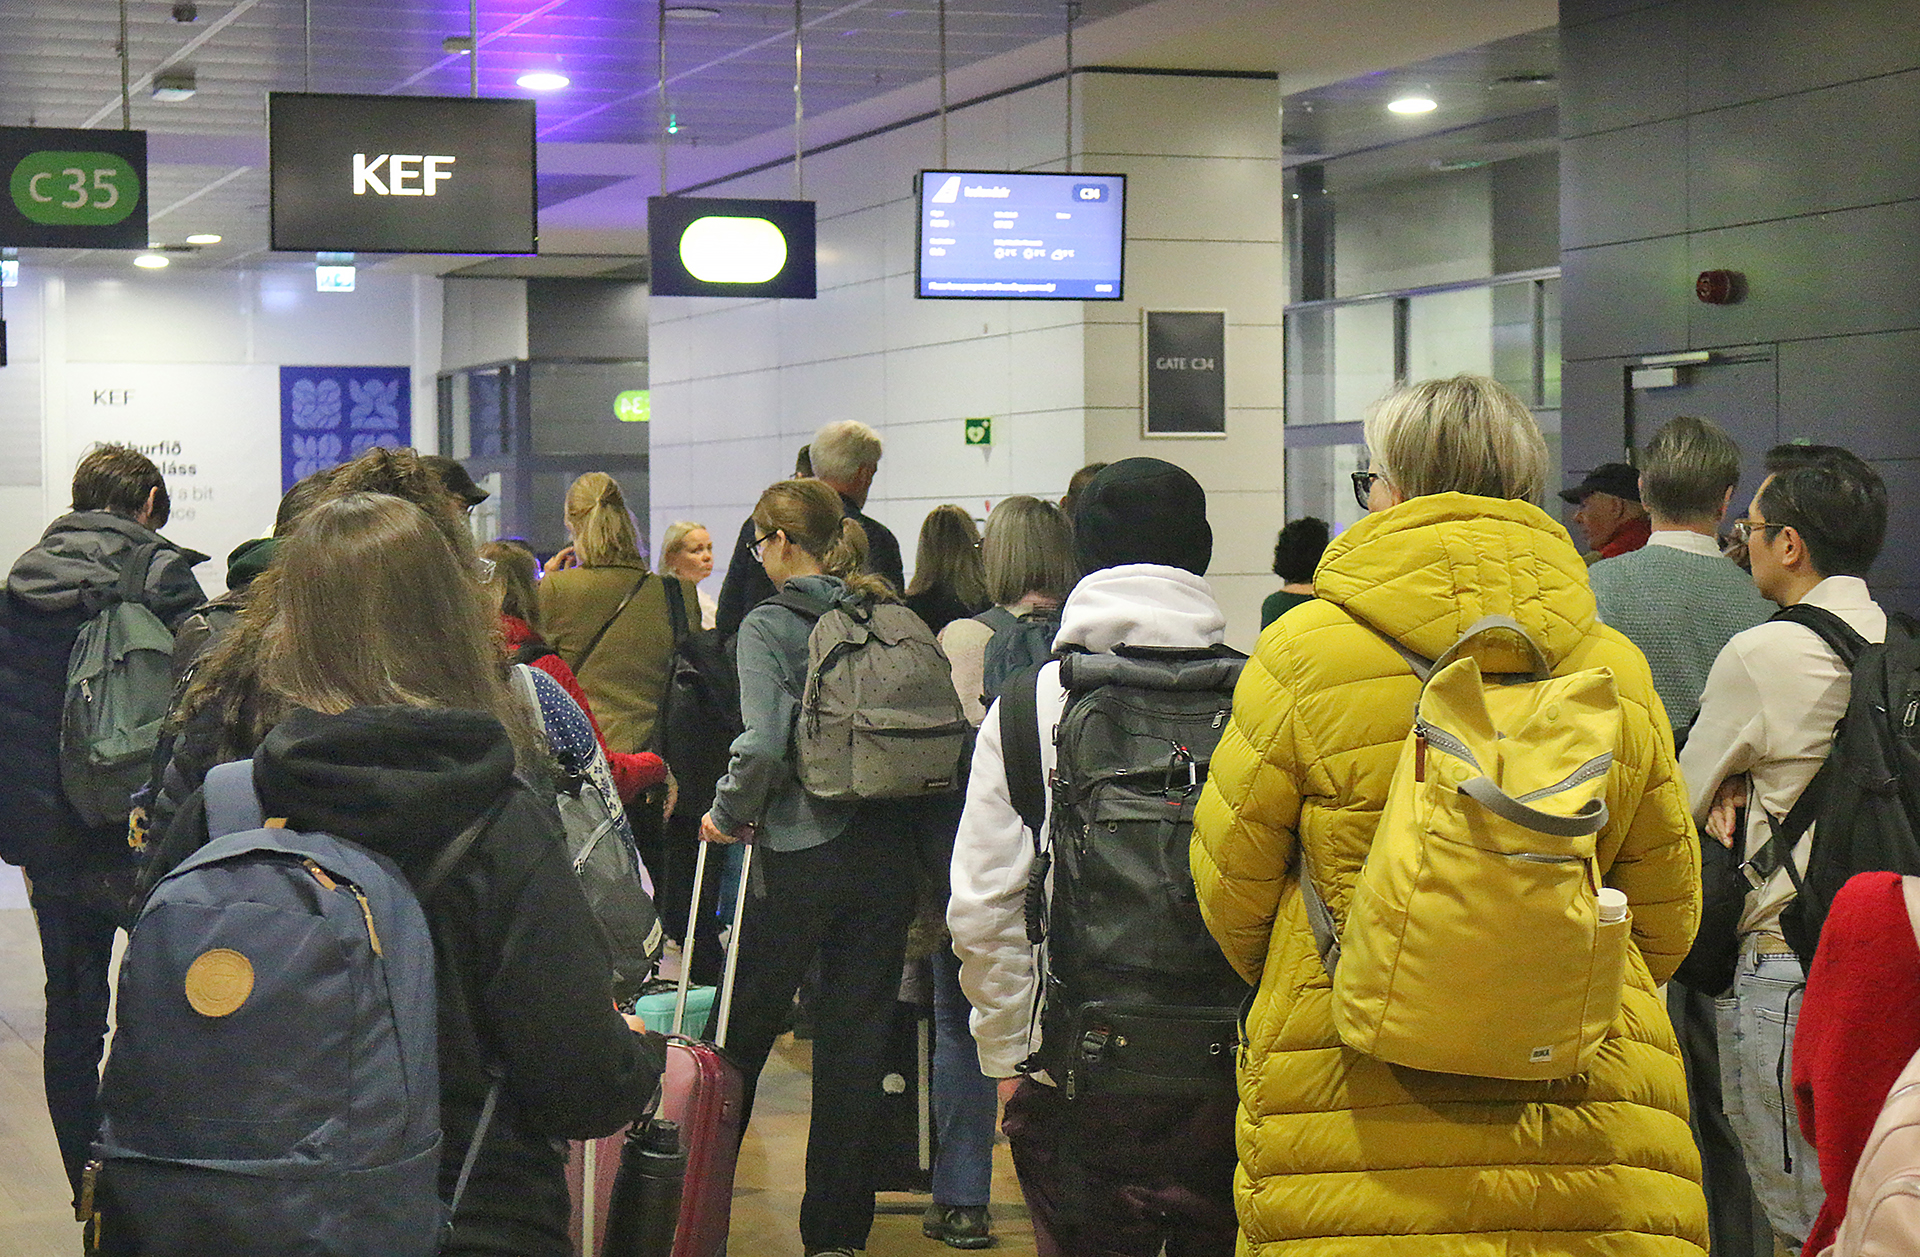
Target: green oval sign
{"type": "Point", "coordinates": [61, 189]}
{"type": "Point", "coordinates": [633, 406]}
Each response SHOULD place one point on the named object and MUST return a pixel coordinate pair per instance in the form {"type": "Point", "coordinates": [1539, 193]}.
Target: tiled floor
{"type": "Point", "coordinates": [35, 1220]}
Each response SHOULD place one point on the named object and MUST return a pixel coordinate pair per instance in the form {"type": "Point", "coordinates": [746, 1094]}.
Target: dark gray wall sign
{"type": "Point", "coordinates": [1186, 373]}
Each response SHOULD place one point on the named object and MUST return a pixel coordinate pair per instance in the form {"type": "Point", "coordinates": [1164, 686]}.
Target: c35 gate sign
{"type": "Point", "coordinates": [69, 188]}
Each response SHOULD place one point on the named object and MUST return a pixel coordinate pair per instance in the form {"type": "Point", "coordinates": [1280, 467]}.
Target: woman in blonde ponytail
{"type": "Point", "coordinates": [838, 876]}
{"type": "Point", "coordinates": [611, 620]}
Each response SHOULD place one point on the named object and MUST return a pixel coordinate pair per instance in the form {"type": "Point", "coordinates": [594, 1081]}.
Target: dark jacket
{"type": "Point", "coordinates": [68, 576]}
{"type": "Point", "coordinates": [524, 975]}
{"type": "Point", "coordinates": [746, 585]}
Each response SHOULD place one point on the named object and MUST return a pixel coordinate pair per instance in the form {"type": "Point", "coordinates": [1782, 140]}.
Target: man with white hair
{"type": "Point", "coordinates": [845, 454]}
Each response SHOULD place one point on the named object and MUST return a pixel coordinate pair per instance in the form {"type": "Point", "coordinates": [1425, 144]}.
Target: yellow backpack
{"type": "Point", "coordinates": [1477, 939]}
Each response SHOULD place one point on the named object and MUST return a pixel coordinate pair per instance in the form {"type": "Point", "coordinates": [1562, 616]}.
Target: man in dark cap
{"type": "Point", "coordinates": [1610, 513]}
{"type": "Point", "coordinates": [455, 480]}
{"type": "Point", "coordinates": [1103, 1172]}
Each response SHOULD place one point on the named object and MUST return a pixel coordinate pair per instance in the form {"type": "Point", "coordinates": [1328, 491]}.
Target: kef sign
{"type": "Point", "coordinates": [401, 174]}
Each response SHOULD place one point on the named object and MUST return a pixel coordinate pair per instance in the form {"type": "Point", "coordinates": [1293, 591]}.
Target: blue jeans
{"type": "Point", "coordinates": [965, 1101]}
{"type": "Point", "coordinates": [1756, 1024]}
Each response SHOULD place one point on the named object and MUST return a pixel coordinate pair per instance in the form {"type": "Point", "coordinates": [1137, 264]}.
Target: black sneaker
{"type": "Point", "coordinates": [959, 1226]}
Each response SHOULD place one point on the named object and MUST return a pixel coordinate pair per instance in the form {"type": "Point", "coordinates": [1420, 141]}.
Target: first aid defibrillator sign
{"type": "Point", "coordinates": [401, 174]}
{"type": "Point", "coordinates": [68, 188]}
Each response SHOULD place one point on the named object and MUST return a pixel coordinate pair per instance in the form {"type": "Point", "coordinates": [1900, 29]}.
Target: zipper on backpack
{"type": "Point", "coordinates": [1419, 753]}
{"type": "Point", "coordinates": [366, 909]}
{"type": "Point", "coordinates": [1912, 714]}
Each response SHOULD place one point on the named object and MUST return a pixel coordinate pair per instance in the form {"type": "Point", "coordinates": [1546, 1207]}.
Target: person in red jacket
{"type": "Point", "coordinates": [512, 577]}
{"type": "Point", "coordinates": [1859, 1026]}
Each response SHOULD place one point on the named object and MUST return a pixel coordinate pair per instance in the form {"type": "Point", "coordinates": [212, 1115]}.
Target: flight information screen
{"type": "Point", "coordinates": [999, 236]}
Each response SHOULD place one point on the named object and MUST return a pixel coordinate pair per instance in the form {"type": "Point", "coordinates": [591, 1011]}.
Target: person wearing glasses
{"type": "Point", "coordinates": [1340, 1151]}
{"type": "Point", "coordinates": [1765, 727]}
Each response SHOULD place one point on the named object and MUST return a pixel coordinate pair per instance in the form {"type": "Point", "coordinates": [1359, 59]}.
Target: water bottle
{"type": "Point", "coordinates": [644, 1211]}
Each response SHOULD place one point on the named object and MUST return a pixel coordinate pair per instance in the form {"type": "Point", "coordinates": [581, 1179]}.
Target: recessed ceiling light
{"type": "Point", "coordinates": [1413, 104]}
{"type": "Point", "coordinates": [459, 45]}
{"type": "Point", "coordinates": [543, 81]}
{"type": "Point", "coordinates": [151, 262]}
{"type": "Point", "coordinates": [691, 13]}
{"type": "Point", "coordinates": [204, 237]}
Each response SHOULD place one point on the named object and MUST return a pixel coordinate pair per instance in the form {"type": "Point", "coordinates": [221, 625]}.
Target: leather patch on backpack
{"type": "Point", "coordinates": [218, 982]}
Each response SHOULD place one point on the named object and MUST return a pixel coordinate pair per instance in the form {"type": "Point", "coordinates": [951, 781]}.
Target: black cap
{"type": "Point", "coordinates": [1142, 510]}
{"type": "Point", "coordinates": [454, 479]}
{"type": "Point", "coordinates": [1619, 479]}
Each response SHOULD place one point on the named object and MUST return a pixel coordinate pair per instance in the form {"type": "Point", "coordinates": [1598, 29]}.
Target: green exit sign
{"type": "Point", "coordinates": [979, 432]}
{"type": "Point", "coordinates": [633, 406]}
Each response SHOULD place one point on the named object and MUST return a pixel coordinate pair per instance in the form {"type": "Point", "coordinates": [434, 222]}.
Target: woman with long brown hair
{"type": "Point", "coordinates": [838, 876]}
{"type": "Point", "coordinates": [397, 735]}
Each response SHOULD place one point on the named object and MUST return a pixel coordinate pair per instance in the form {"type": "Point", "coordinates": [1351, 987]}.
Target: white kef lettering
{"type": "Point", "coordinates": [400, 168]}
{"type": "Point", "coordinates": [365, 174]}
{"type": "Point", "coordinates": [433, 176]}
{"type": "Point", "coordinates": [407, 174]}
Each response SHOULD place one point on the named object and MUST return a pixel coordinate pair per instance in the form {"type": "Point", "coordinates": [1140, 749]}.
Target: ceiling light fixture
{"type": "Point", "coordinates": [173, 85]}
{"type": "Point", "coordinates": [459, 45]}
{"type": "Point", "coordinates": [203, 237]}
{"type": "Point", "coordinates": [543, 80]}
{"type": "Point", "coordinates": [151, 262]}
{"type": "Point", "coordinates": [1413, 104]}
{"type": "Point", "coordinates": [691, 13]}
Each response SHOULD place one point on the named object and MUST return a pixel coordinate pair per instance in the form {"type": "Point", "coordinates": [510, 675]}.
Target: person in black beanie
{"type": "Point", "coordinates": [1096, 1171]}
{"type": "Point", "coordinates": [1142, 510]}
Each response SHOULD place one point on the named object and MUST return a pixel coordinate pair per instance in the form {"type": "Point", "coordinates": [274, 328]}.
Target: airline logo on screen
{"type": "Point", "coordinates": [399, 174]}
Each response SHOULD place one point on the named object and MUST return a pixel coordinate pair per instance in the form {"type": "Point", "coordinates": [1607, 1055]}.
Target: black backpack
{"type": "Point", "coordinates": [1019, 642]}
{"type": "Point", "coordinates": [700, 716]}
{"type": "Point", "coordinates": [1865, 800]}
{"type": "Point", "coordinates": [1138, 998]}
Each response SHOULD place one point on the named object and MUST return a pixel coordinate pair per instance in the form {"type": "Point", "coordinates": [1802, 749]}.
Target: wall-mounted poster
{"type": "Point", "coordinates": [1186, 373]}
{"type": "Point", "coordinates": [329, 415]}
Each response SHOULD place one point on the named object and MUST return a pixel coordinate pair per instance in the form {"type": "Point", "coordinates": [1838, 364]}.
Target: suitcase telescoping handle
{"type": "Point", "coordinates": [724, 1002]}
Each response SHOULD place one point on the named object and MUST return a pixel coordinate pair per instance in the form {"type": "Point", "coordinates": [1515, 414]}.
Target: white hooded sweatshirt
{"type": "Point", "coordinates": [1139, 604]}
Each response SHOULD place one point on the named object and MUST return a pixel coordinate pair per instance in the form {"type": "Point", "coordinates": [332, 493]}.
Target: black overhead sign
{"type": "Point", "coordinates": [722, 246]}
{"type": "Point", "coordinates": [73, 189]}
{"type": "Point", "coordinates": [1186, 373]}
{"type": "Point", "coordinates": [400, 174]}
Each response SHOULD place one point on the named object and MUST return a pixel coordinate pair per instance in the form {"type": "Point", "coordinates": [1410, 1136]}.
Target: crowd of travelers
{"type": "Point", "coordinates": [1482, 909]}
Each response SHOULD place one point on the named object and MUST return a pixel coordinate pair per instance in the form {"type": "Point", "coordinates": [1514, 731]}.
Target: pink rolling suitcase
{"type": "Point", "coordinates": [701, 1090]}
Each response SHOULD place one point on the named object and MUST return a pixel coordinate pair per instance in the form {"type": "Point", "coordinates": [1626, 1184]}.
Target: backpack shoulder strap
{"type": "Point", "coordinates": [997, 618]}
{"type": "Point", "coordinates": [1326, 935]}
{"type": "Point", "coordinates": [232, 805]}
{"type": "Point", "coordinates": [457, 847]}
{"type": "Point", "coordinates": [806, 606]}
{"type": "Point", "coordinates": [676, 607]}
{"type": "Point", "coordinates": [1020, 749]}
{"type": "Point", "coordinates": [133, 577]}
{"type": "Point", "coordinates": [1839, 636]}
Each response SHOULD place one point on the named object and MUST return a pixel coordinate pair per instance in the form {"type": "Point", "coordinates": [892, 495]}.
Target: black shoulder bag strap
{"type": "Point", "coordinates": [1785, 834]}
{"type": "Point", "coordinates": [631, 594]}
{"type": "Point", "coordinates": [442, 867]}
{"type": "Point", "coordinates": [676, 608]}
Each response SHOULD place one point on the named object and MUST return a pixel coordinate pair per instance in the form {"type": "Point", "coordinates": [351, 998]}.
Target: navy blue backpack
{"type": "Point", "coordinates": [274, 1085]}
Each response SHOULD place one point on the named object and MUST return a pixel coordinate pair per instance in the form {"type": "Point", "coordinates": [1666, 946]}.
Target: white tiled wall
{"type": "Point", "coordinates": [738, 386]}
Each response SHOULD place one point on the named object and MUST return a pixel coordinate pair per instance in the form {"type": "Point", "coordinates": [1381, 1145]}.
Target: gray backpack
{"type": "Point", "coordinates": [878, 718]}
{"type": "Point", "coordinates": [119, 685]}
{"type": "Point", "coordinates": [274, 1084]}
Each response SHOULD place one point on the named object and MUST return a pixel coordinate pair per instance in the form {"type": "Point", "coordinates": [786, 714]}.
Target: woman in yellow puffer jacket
{"type": "Point", "coordinates": [1342, 1154]}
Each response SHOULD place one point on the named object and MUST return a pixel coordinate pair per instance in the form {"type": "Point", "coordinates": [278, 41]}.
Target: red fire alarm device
{"type": "Point", "coordinates": [1719, 288]}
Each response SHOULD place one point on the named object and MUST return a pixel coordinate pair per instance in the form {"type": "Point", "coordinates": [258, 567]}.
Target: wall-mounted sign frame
{"type": "Point", "coordinates": [69, 188]}
{"type": "Point", "coordinates": [715, 246]}
{"type": "Point", "coordinates": [401, 174]}
{"type": "Point", "coordinates": [1183, 373]}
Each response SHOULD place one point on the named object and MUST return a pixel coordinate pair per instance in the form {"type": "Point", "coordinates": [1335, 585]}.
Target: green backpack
{"type": "Point", "coordinates": [119, 686]}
